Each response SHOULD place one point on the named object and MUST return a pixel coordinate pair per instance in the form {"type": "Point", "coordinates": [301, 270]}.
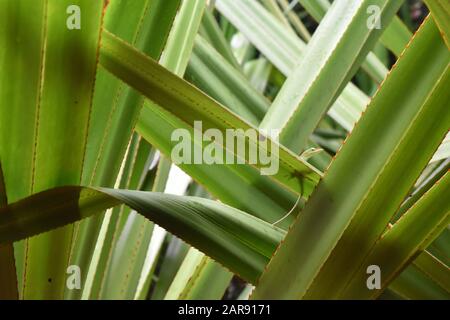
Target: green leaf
{"type": "Point", "coordinates": [116, 110]}
{"type": "Point", "coordinates": [415, 285]}
{"type": "Point", "coordinates": [199, 278]}
{"type": "Point", "coordinates": [423, 187]}
{"type": "Point", "coordinates": [395, 37]}
{"type": "Point", "coordinates": [213, 75]}
{"type": "Point", "coordinates": [272, 7]}
{"type": "Point", "coordinates": [352, 205]}
{"type": "Point", "coordinates": [405, 240]}
{"type": "Point", "coordinates": [246, 13]}
{"type": "Point", "coordinates": [210, 284]}
{"type": "Point", "coordinates": [235, 239]}
{"type": "Point", "coordinates": [48, 76]}
{"type": "Point", "coordinates": [240, 241]}
{"type": "Point", "coordinates": [133, 175]}
{"type": "Point", "coordinates": [171, 262]}
{"type": "Point", "coordinates": [8, 277]}
{"type": "Point", "coordinates": [443, 151]}
{"type": "Point", "coordinates": [378, 199]}
{"type": "Point", "coordinates": [258, 72]}
{"type": "Point", "coordinates": [434, 269]}
{"type": "Point", "coordinates": [209, 71]}
{"type": "Point", "coordinates": [265, 32]}
{"type": "Point", "coordinates": [211, 30]}
{"type": "Point", "coordinates": [440, 249]}
{"type": "Point", "coordinates": [285, 50]}
{"type": "Point", "coordinates": [294, 19]}
{"type": "Point", "coordinates": [123, 277]}
{"type": "Point", "coordinates": [21, 72]}
{"type": "Point", "coordinates": [331, 59]}
{"type": "Point", "coordinates": [188, 104]}
{"type": "Point", "coordinates": [116, 106]}
{"type": "Point", "coordinates": [316, 8]}
{"type": "Point", "coordinates": [440, 9]}
{"type": "Point", "coordinates": [263, 198]}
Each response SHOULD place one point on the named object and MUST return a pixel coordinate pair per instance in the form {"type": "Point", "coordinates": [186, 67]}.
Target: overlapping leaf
{"type": "Point", "coordinates": [48, 70]}
{"type": "Point", "coordinates": [353, 204]}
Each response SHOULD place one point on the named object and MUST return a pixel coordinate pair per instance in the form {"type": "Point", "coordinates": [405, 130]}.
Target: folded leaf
{"type": "Point", "coordinates": [240, 241]}
{"type": "Point", "coordinates": [177, 97]}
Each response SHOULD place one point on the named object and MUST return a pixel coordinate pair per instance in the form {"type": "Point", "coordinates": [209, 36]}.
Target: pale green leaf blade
{"type": "Point", "coordinates": [171, 92]}
{"type": "Point", "coordinates": [21, 64]}
{"type": "Point", "coordinates": [209, 71]}
{"type": "Point", "coordinates": [199, 278]}
{"type": "Point", "coordinates": [395, 37]}
{"type": "Point", "coordinates": [123, 277]}
{"type": "Point", "coordinates": [262, 198]}
{"type": "Point", "coordinates": [211, 30]}
{"type": "Point", "coordinates": [443, 151]}
{"type": "Point", "coordinates": [116, 109]}
{"type": "Point", "coordinates": [349, 214]}
{"type": "Point", "coordinates": [331, 59]}
{"type": "Point", "coordinates": [285, 50]}
{"type": "Point", "coordinates": [56, 94]}
{"type": "Point", "coordinates": [440, 9]}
